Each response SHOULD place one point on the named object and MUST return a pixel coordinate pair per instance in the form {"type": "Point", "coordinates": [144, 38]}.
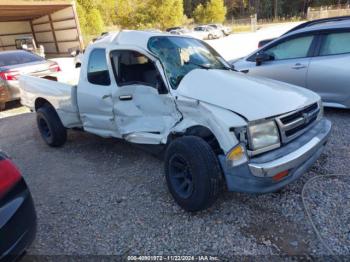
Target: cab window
{"type": "Point", "coordinates": [132, 68]}
{"type": "Point", "coordinates": [290, 49]}
{"type": "Point", "coordinates": [97, 68]}
{"type": "Point", "coordinates": [335, 44]}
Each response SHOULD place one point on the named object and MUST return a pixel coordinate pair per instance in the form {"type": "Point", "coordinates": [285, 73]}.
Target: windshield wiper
{"type": "Point", "coordinates": [207, 67]}
{"type": "Point", "coordinates": [199, 65]}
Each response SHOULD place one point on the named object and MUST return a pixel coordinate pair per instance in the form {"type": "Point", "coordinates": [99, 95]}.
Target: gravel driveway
{"type": "Point", "coordinates": [104, 196]}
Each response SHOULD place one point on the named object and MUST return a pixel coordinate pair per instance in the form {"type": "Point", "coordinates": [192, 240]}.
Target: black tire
{"type": "Point", "coordinates": [50, 126]}
{"type": "Point", "coordinates": [190, 160]}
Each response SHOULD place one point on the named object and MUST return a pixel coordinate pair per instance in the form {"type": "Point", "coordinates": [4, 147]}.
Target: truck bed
{"type": "Point", "coordinates": [61, 95]}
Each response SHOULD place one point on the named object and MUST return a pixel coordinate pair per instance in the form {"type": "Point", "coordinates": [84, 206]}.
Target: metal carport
{"type": "Point", "coordinates": [53, 24]}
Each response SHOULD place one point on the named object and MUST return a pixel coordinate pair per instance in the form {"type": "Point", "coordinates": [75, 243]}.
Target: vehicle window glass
{"type": "Point", "coordinates": [294, 48]}
{"type": "Point", "coordinates": [97, 68]}
{"type": "Point", "coordinates": [337, 43]}
{"type": "Point", "coordinates": [18, 58]}
{"type": "Point", "coordinates": [135, 68]}
{"type": "Point", "coordinates": [180, 55]}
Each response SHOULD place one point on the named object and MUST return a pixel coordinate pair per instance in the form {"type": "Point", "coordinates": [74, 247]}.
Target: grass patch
{"type": "Point", "coordinates": [241, 28]}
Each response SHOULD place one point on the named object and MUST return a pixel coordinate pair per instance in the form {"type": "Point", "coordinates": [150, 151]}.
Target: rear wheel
{"type": "Point", "coordinates": [50, 126]}
{"type": "Point", "coordinates": [193, 173]}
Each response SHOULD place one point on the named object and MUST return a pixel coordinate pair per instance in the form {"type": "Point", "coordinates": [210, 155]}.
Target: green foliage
{"type": "Point", "coordinates": [90, 18]}
{"type": "Point", "coordinates": [212, 12]}
{"type": "Point", "coordinates": [94, 21]}
{"type": "Point", "coordinates": [139, 14]}
{"type": "Point", "coordinates": [199, 14]}
{"type": "Point", "coordinates": [167, 13]}
{"type": "Point", "coordinates": [107, 10]}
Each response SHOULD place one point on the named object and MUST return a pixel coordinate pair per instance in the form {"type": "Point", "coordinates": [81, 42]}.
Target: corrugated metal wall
{"type": "Point", "coordinates": [10, 31]}
{"type": "Point", "coordinates": [57, 32]}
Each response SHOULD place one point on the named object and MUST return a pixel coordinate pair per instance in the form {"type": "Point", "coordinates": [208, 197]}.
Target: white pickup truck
{"type": "Point", "coordinates": [216, 126]}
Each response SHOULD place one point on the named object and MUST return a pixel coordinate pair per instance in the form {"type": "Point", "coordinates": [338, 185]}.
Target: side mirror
{"type": "Point", "coordinates": [262, 57]}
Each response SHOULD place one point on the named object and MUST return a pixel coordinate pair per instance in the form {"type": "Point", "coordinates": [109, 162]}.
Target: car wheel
{"type": "Point", "coordinates": [193, 173]}
{"type": "Point", "coordinates": [50, 126]}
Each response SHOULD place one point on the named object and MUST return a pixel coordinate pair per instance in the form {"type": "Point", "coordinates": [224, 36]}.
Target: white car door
{"type": "Point", "coordinates": [289, 61]}
{"type": "Point", "coordinates": [94, 95]}
{"type": "Point", "coordinates": [144, 109]}
{"type": "Point", "coordinates": [329, 71]}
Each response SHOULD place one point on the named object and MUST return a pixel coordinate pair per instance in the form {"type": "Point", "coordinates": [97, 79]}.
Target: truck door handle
{"type": "Point", "coordinates": [106, 96]}
{"type": "Point", "coordinates": [125, 97]}
{"type": "Point", "coordinates": [246, 71]}
{"type": "Point", "coordinates": [299, 66]}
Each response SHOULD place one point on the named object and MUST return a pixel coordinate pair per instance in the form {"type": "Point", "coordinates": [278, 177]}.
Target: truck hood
{"type": "Point", "coordinates": [251, 97]}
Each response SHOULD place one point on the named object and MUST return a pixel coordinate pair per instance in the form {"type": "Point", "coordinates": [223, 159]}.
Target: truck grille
{"type": "Point", "coordinates": [294, 124]}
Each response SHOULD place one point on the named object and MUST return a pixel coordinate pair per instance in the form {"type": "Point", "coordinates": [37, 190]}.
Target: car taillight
{"type": "Point", "coordinates": [9, 176]}
{"type": "Point", "coordinates": [55, 67]}
{"type": "Point", "coordinates": [9, 75]}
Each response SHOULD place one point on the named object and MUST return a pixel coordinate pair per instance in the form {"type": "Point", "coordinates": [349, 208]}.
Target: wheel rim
{"type": "Point", "coordinates": [44, 129]}
{"type": "Point", "coordinates": [180, 176]}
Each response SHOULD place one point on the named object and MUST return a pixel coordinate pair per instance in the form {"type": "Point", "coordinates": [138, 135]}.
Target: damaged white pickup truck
{"type": "Point", "coordinates": [217, 126]}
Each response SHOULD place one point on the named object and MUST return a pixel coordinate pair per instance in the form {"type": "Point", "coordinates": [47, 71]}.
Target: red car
{"type": "Point", "coordinates": [17, 213]}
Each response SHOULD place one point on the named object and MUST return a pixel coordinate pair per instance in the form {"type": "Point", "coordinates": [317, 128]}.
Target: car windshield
{"type": "Point", "coordinates": [17, 58]}
{"type": "Point", "coordinates": [181, 55]}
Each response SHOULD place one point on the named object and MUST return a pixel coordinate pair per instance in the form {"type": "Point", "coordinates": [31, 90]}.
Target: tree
{"type": "Point", "coordinates": [139, 14]}
{"type": "Point", "coordinates": [107, 8]}
{"type": "Point", "coordinates": [167, 13]}
{"type": "Point", "coordinates": [200, 14]}
{"type": "Point", "coordinates": [212, 12]}
{"type": "Point", "coordinates": [216, 11]}
{"type": "Point", "coordinates": [94, 22]}
{"type": "Point", "coordinates": [91, 21]}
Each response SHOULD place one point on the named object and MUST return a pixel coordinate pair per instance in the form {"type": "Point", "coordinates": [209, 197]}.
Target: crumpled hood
{"type": "Point", "coordinates": [252, 97]}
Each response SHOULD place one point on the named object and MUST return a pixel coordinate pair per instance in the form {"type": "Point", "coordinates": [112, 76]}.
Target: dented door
{"type": "Point", "coordinates": [144, 109]}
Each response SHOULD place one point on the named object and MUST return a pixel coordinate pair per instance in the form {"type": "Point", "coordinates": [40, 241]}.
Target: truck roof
{"type": "Point", "coordinates": [134, 38]}
{"type": "Point", "coordinates": [128, 37]}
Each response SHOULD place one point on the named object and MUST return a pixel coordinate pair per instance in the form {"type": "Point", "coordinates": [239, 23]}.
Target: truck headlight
{"type": "Point", "coordinates": [263, 135]}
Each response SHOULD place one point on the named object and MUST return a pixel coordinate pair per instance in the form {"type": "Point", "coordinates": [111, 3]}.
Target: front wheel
{"type": "Point", "coordinates": [50, 126]}
{"type": "Point", "coordinates": [193, 173]}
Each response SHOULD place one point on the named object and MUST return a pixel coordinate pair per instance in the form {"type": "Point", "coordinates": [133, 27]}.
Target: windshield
{"type": "Point", "coordinates": [181, 55]}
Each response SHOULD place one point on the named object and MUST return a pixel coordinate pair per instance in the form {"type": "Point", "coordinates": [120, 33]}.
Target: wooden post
{"type": "Point", "coordinates": [33, 32]}
{"type": "Point", "coordinates": [276, 9]}
{"type": "Point", "coordinates": [76, 19]}
{"type": "Point", "coordinates": [54, 34]}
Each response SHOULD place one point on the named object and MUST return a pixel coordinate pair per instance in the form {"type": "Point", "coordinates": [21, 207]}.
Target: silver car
{"type": "Point", "coordinates": [15, 63]}
{"type": "Point", "coordinates": [316, 56]}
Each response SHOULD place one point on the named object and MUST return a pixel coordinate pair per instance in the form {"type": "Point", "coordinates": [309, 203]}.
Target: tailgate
{"type": "Point", "coordinates": [60, 95]}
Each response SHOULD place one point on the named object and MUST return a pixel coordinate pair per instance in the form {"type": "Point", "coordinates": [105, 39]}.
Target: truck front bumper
{"type": "Point", "coordinates": [259, 174]}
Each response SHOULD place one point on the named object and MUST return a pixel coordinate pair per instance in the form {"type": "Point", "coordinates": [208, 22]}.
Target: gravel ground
{"type": "Point", "coordinates": [327, 198]}
{"type": "Point", "coordinates": [104, 196]}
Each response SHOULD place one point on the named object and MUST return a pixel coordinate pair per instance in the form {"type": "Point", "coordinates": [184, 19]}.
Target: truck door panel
{"type": "Point", "coordinates": [95, 99]}
{"type": "Point", "coordinates": [139, 105]}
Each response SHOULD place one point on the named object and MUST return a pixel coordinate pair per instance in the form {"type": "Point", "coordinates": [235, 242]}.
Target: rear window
{"type": "Point", "coordinates": [17, 58]}
{"type": "Point", "coordinates": [335, 44]}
